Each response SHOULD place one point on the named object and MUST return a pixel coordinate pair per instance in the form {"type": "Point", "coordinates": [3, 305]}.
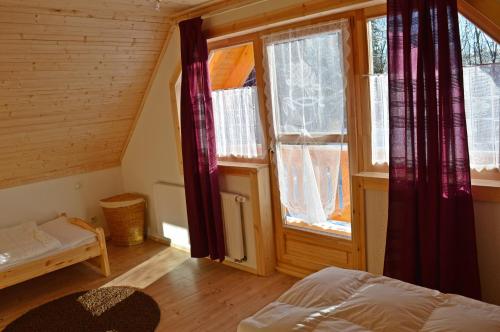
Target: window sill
{"type": "Point", "coordinates": [241, 168]}
{"type": "Point", "coordinates": [482, 189]}
{"type": "Point", "coordinates": [301, 226]}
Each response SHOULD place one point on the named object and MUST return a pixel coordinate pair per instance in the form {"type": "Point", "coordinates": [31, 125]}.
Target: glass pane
{"type": "Point", "coordinates": [481, 73]}
{"type": "Point", "coordinates": [315, 187]}
{"type": "Point", "coordinates": [379, 107]}
{"type": "Point", "coordinates": [482, 109]}
{"type": "Point", "coordinates": [238, 128]}
{"type": "Point", "coordinates": [379, 103]}
{"type": "Point", "coordinates": [307, 76]}
{"type": "Point", "coordinates": [377, 34]}
{"type": "Point", "coordinates": [307, 85]}
{"type": "Point", "coordinates": [477, 47]}
{"type": "Point", "coordinates": [235, 103]}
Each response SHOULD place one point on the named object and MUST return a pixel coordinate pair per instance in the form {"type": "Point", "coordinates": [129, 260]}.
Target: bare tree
{"type": "Point", "coordinates": [379, 45]}
{"type": "Point", "coordinates": [477, 47]}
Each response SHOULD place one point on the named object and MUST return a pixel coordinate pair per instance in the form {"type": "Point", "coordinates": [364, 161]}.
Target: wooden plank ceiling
{"type": "Point", "coordinates": [229, 67]}
{"type": "Point", "coordinates": [72, 78]}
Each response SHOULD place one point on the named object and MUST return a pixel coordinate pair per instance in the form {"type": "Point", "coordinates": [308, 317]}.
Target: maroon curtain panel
{"type": "Point", "coordinates": [203, 199]}
{"type": "Point", "coordinates": [430, 235]}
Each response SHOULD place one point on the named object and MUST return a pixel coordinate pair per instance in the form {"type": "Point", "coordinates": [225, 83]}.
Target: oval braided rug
{"type": "Point", "coordinates": [107, 309]}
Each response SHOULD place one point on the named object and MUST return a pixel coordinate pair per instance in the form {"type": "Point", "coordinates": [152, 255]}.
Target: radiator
{"type": "Point", "coordinates": [234, 230]}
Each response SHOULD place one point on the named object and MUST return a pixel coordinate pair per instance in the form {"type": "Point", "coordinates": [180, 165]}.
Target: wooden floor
{"type": "Point", "coordinates": [194, 294]}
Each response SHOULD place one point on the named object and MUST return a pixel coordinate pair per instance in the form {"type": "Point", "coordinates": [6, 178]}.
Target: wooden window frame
{"type": "Point", "coordinates": [370, 13]}
{"type": "Point", "coordinates": [290, 240]}
{"type": "Point", "coordinates": [212, 46]}
{"type": "Point", "coordinates": [352, 250]}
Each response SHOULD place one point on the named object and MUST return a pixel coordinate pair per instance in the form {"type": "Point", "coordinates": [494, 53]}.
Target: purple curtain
{"type": "Point", "coordinates": [198, 146]}
{"type": "Point", "coordinates": [430, 235]}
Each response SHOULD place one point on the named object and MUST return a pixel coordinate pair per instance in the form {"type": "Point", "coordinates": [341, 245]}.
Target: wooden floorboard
{"type": "Point", "coordinates": [194, 294]}
{"type": "Point", "coordinates": [201, 295]}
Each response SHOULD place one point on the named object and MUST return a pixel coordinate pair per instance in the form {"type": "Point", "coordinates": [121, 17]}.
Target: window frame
{"type": "Point", "coordinates": [467, 11]}
{"type": "Point", "coordinates": [175, 105]}
{"type": "Point", "coordinates": [288, 237]}
{"type": "Point", "coordinates": [320, 140]}
{"type": "Point", "coordinates": [234, 42]}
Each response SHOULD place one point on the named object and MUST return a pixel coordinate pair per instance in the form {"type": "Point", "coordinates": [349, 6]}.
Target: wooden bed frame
{"type": "Point", "coordinates": [94, 254]}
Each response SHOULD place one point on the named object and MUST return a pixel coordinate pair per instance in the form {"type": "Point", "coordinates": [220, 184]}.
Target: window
{"type": "Point", "coordinates": [481, 72]}
{"type": "Point", "coordinates": [235, 103]}
{"type": "Point", "coordinates": [379, 93]}
{"type": "Point", "coordinates": [306, 81]}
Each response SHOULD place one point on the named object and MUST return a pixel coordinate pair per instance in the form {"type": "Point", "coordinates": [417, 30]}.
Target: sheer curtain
{"type": "Point", "coordinates": [305, 78]}
{"type": "Point", "coordinates": [379, 105]}
{"type": "Point", "coordinates": [237, 122]}
{"type": "Point", "coordinates": [482, 110]}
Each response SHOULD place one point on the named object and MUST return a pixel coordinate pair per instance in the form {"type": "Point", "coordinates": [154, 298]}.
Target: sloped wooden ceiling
{"type": "Point", "coordinates": [72, 77]}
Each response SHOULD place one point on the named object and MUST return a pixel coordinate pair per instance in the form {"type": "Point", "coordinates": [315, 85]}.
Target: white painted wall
{"type": "Point", "coordinates": [77, 195]}
{"type": "Point", "coordinates": [487, 217]}
{"type": "Point", "coordinates": [151, 155]}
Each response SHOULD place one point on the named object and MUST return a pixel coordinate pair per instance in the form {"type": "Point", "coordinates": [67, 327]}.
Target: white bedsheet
{"type": "Point", "coordinates": [336, 299]}
{"type": "Point", "coordinates": [21, 246]}
{"type": "Point", "coordinates": [20, 242]}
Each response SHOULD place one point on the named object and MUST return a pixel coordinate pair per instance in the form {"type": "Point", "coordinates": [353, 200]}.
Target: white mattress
{"type": "Point", "coordinates": [69, 236]}
{"type": "Point", "coordinates": [336, 299]}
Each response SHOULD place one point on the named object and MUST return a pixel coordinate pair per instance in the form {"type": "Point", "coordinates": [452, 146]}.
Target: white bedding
{"type": "Point", "coordinates": [27, 242]}
{"type": "Point", "coordinates": [336, 299]}
{"type": "Point", "coordinates": [70, 236]}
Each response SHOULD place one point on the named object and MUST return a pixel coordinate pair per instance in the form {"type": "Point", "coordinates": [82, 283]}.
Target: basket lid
{"type": "Point", "coordinates": [121, 200]}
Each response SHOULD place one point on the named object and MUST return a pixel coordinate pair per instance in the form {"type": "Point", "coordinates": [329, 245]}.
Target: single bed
{"type": "Point", "coordinates": [336, 299]}
{"type": "Point", "coordinates": [34, 250]}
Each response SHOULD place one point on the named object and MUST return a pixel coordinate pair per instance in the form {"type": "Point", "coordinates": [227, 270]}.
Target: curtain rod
{"type": "Point", "coordinates": [218, 9]}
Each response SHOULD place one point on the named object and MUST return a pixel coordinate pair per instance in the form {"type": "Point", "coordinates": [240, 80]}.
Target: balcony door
{"type": "Point", "coordinates": [307, 94]}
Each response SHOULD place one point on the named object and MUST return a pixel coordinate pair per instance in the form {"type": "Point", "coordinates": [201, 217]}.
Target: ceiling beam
{"type": "Point", "coordinates": [212, 8]}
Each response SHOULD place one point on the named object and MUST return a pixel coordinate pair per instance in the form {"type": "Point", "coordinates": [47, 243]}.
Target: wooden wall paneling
{"type": "Point", "coordinates": [264, 238]}
{"type": "Point", "coordinates": [482, 190]}
{"type": "Point", "coordinates": [358, 218]}
{"type": "Point", "coordinates": [213, 7]}
{"type": "Point", "coordinates": [73, 76]}
{"type": "Point", "coordinates": [291, 14]}
{"type": "Point", "coordinates": [260, 199]}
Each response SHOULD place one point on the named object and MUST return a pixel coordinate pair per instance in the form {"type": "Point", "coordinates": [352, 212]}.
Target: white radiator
{"type": "Point", "coordinates": [233, 226]}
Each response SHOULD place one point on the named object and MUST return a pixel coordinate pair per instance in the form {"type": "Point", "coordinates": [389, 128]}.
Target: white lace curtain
{"type": "Point", "coordinates": [237, 122]}
{"type": "Point", "coordinates": [482, 110]}
{"type": "Point", "coordinates": [379, 105]}
{"type": "Point", "coordinates": [305, 86]}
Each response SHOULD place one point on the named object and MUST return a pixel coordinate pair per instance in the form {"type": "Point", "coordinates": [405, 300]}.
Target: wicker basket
{"type": "Point", "coordinates": [125, 217]}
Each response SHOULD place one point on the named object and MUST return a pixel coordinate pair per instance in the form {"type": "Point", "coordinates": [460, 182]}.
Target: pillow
{"type": "Point", "coordinates": [68, 234]}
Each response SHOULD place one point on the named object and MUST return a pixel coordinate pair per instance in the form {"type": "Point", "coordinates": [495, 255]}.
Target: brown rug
{"type": "Point", "coordinates": [107, 309]}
